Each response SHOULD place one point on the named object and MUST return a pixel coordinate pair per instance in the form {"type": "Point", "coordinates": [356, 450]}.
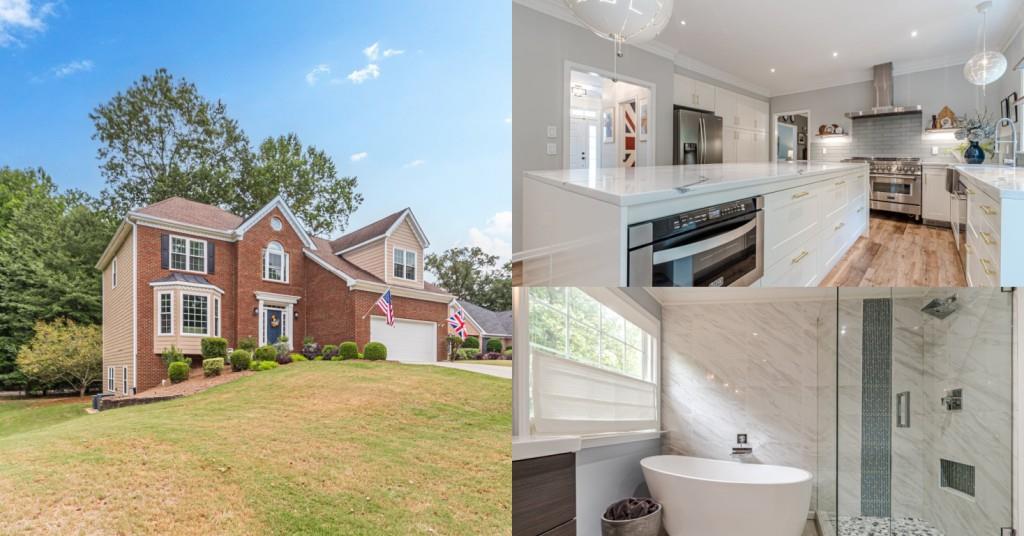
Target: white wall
{"type": "Point", "coordinates": [608, 474]}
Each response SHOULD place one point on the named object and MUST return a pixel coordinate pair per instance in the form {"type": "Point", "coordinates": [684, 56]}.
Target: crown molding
{"type": "Point", "coordinates": [866, 75]}
{"type": "Point", "coordinates": [697, 66]}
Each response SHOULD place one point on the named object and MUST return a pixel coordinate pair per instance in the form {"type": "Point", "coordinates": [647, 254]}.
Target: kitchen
{"type": "Point", "coordinates": [771, 158]}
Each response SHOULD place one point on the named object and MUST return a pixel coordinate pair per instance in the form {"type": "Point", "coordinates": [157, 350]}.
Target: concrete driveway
{"type": "Point", "coordinates": [490, 370]}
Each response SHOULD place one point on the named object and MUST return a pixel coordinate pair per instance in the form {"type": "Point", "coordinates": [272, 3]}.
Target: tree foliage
{"type": "Point", "coordinates": [63, 352]}
{"type": "Point", "coordinates": [473, 275]}
{"type": "Point", "coordinates": [162, 138]}
{"type": "Point", "coordinates": [49, 242]}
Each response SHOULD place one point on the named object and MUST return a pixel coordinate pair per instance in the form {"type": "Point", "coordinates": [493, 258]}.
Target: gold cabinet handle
{"type": "Point", "coordinates": [798, 195]}
{"type": "Point", "coordinates": [839, 226]}
{"type": "Point", "coordinates": [988, 210]}
{"type": "Point", "coordinates": [985, 263]}
{"type": "Point", "coordinates": [987, 237]}
{"type": "Point", "coordinates": [800, 257]}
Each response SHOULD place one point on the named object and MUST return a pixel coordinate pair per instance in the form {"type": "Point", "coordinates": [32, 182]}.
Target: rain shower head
{"type": "Point", "coordinates": [941, 307]}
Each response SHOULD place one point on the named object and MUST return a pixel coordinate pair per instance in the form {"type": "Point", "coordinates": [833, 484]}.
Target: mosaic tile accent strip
{"type": "Point", "coordinates": [876, 410]}
{"type": "Point", "coordinates": [882, 526]}
{"type": "Point", "coordinates": [957, 476]}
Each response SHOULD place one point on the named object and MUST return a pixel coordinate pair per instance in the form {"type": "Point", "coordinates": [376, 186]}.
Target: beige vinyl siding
{"type": "Point", "coordinates": [187, 344]}
{"type": "Point", "coordinates": [404, 238]}
{"type": "Point", "coordinates": [369, 257]}
{"type": "Point", "coordinates": [117, 317]}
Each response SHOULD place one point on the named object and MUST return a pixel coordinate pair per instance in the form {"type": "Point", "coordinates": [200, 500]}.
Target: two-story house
{"type": "Point", "coordinates": [177, 271]}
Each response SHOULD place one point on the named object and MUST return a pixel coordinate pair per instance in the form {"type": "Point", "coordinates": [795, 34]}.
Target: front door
{"type": "Point", "coordinates": [273, 323]}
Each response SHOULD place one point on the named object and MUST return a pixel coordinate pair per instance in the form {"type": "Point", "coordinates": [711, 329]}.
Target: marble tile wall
{"type": "Point", "coordinates": [742, 368]}
{"type": "Point", "coordinates": [828, 329]}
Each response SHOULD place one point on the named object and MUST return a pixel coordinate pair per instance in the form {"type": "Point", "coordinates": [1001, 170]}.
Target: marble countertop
{"type": "Point", "coordinates": [1000, 181]}
{"type": "Point", "coordinates": [632, 186]}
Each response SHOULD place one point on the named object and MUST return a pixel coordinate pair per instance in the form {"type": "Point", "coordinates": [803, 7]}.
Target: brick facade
{"type": "Point", "coordinates": [404, 308]}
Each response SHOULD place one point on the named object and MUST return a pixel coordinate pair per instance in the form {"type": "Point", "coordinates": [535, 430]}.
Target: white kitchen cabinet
{"type": "Point", "coordinates": [752, 114]}
{"type": "Point", "coordinates": [693, 93]}
{"type": "Point", "coordinates": [747, 149]}
{"type": "Point", "coordinates": [730, 145]}
{"type": "Point", "coordinates": [725, 107]}
{"type": "Point", "coordinates": [935, 198]}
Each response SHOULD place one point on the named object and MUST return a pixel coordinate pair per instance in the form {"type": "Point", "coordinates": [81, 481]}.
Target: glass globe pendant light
{"type": "Point", "coordinates": [986, 66]}
{"type": "Point", "coordinates": [623, 21]}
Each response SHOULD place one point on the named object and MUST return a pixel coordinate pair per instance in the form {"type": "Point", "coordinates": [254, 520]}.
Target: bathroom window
{"type": "Point", "coordinates": [570, 323]}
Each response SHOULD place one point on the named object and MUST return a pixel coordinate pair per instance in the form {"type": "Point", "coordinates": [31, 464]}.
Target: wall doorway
{"type": "Point", "coordinates": [790, 141]}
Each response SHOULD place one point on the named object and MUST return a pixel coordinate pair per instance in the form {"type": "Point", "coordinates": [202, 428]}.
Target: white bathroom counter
{"type": "Point", "coordinates": [999, 182]}
{"type": "Point", "coordinates": [633, 186]}
{"type": "Point", "coordinates": [537, 446]}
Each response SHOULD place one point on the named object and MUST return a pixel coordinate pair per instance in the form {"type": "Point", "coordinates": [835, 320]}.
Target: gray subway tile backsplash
{"type": "Point", "coordinates": [895, 135]}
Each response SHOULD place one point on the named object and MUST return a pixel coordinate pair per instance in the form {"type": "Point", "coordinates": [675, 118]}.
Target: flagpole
{"type": "Point", "coordinates": [370, 310]}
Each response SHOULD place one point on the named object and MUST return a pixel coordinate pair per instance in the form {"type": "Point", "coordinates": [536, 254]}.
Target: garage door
{"type": "Point", "coordinates": [407, 340]}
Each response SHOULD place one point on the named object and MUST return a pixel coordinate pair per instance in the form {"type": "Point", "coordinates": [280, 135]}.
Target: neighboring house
{"type": "Point", "coordinates": [485, 324]}
{"type": "Point", "coordinates": [177, 271]}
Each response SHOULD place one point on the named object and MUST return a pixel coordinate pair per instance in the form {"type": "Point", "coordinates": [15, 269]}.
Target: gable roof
{"type": "Point", "coordinates": [490, 322]}
{"type": "Point", "coordinates": [278, 203]}
{"type": "Point", "coordinates": [183, 210]}
{"type": "Point", "coordinates": [348, 271]}
{"type": "Point", "coordinates": [381, 228]}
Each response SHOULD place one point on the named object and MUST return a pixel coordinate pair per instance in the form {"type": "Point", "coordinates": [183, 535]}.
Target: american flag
{"type": "Point", "coordinates": [384, 302]}
{"type": "Point", "coordinates": [457, 323]}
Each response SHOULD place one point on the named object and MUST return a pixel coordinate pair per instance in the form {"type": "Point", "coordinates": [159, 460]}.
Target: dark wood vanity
{"type": "Point", "coordinates": [544, 496]}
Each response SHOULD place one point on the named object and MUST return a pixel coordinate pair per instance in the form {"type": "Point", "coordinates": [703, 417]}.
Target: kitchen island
{"type": "Point", "coordinates": [580, 227]}
{"type": "Point", "coordinates": [994, 225]}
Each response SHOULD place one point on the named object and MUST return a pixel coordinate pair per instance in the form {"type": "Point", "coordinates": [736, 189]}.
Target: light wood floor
{"type": "Point", "coordinates": [900, 253]}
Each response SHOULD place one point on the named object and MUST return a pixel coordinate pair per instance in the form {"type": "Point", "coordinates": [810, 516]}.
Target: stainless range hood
{"type": "Point", "coordinates": [883, 97]}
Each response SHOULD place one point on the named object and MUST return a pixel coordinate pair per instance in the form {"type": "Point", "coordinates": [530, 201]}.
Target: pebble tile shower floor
{"type": "Point", "coordinates": [880, 526]}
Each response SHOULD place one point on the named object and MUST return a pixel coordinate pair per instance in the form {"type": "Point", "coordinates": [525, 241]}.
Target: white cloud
{"type": "Point", "coordinates": [320, 70]}
{"type": "Point", "coordinates": [372, 52]}
{"type": "Point", "coordinates": [361, 75]}
{"type": "Point", "coordinates": [496, 237]}
{"type": "Point", "coordinates": [359, 156]}
{"type": "Point", "coordinates": [390, 53]}
{"type": "Point", "coordinates": [415, 163]}
{"type": "Point", "coordinates": [69, 69]}
{"type": "Point", "coordinates": [20, 15]}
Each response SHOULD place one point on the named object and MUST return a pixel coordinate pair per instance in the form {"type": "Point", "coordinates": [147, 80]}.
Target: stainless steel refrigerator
{"type": "Point", "coordinates": [697, 137]}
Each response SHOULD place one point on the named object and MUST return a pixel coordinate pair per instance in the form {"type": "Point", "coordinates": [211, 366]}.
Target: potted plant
{"type": "Point", "coordinates": [976, 131]}
{"type": "Point", "coordinates": [632, 517]}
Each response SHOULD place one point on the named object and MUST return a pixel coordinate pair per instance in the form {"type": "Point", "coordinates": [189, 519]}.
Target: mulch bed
{"type": "Point", "coordinates": [196, 383]}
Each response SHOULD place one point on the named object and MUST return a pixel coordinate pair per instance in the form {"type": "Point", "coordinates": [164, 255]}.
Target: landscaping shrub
{"type": "Point", "coordinates": [177, 371]}
{"type": "Point", "coordinates": [213, 366]}
{"type": "Point", "coordinates": [471, 342]}
{"type": "Point", "coordinates": [454, 343]}
{"type": "Point", "coordinates": [282, 348]}
{"type": "Point", "coordinates": [265, 353]}
{"type": "Point", "coordinates": [490, 355]}
{"type": "Point", "coordinates": [214, 347]}
{"type": "Point", "coordinates": [173, 355]}
{"type": "Point", "coordinates": [248, 344]}
{"type": "Point", "coordinates": [329, 351]}
{"type": "Point", "coordinates": [254, 364]}
{"type": "Point", "coordinates": [507, 353]}
{"type": "Point", "coordinates": [348, 350]}
{"type": "Point", "coordinates": [284, 359]}
{"type": "Point", "coordinates": [494, 345]}
{"type": "Point", "coordinates": [309, 350]}
{"type": "Point", "coordinates": [299, 357]}
{"type": "Point", "coordinates": [375, 351]}
{"type": "Point", "coordinates": [468, 353]}
{"type": "Point", "coordinates": [240, 360]}
{"type": "Point", "coordinates": [266, 365]}
{"type": "Point", "coordinates": [318, 358]}
{"type": "Point", "coordinates": [360, 355]}
{"type": "Point", "coordinates": [308, 339]}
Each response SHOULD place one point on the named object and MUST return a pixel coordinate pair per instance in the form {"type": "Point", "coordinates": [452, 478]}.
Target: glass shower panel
{"type": "Point", "coordinates": [828, 330]}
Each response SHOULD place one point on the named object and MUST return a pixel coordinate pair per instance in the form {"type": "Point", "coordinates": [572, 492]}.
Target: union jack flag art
{"type": "Point", "coordinates": [458, 323]}
{"type": "Point", "coordinates": [384, 302]}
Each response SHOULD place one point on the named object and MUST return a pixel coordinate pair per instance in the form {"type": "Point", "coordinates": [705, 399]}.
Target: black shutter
{"type": "Point", "coordinates": [165, 251]}
{"type": "Point", "coordinates": [209, 257]}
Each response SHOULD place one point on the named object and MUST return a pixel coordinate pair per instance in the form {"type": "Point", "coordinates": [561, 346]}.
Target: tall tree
{"type": "Point", "coordinates": [162, 138]}
{"type": "Point", "coordinates": [63, 352]}
{"type": "Point", "coordinates": [471, 274]}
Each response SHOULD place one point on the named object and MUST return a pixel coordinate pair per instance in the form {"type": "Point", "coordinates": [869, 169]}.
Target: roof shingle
{"type": "Point", "coordinates": [183, 210]}
{"type": "Point", "coordinates": [490, 322]}
{"type": "Point", "coordinates": [368, 232]}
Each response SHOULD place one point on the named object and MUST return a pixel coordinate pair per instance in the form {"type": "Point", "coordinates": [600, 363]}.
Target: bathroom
{"type": "Point", "coordinates": [784, 412]}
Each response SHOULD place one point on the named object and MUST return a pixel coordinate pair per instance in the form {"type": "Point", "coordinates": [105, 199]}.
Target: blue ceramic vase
{"type": "Point", "coordinates": [974, 154]}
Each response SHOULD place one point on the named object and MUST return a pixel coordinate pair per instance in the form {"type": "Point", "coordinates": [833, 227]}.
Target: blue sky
{"type": "Point", "coordinates": [413, 97]}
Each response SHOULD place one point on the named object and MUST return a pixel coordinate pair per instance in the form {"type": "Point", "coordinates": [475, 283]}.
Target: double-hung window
{"type": "Point", "coordinates": [593, 369]}
{"type": "Point", "coordinates": [216, 317]}
{"type": "Point", "coordinates": [188, 254]}
{"type": "Point", "coordinates": [405, 264]}
{"type": "Point", "coordinates": [165, 324]}
{"type": "Point", "coordinates": [124, 380]}
{"type": "Point", "coordinates": [110, 379]}
{"type": "Point", "coordinates": [194, 311]}
{"type": "Point", "coordinates": [275, 263]}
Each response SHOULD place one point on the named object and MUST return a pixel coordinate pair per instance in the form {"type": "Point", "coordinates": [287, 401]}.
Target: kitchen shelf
{"type": "Point", "coordinates": [832, 135]}
{"type": "Point", "coordinates": [951, 129]}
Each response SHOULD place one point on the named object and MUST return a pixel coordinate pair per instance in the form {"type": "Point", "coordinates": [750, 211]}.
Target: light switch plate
{"type": "Point", "coordinates": [552, 131]}
{"type": "Point", "coordinates": [935, 150]}
{"type": "Point", "coordinates": [552, 149]}
{"type": "Point", "coordinates": [824, 150]}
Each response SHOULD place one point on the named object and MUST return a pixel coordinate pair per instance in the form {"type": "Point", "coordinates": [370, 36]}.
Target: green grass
{"type": "Point", "coordinates": [310, 448]}
{"type": "Point", "coordinates": [17, 416]}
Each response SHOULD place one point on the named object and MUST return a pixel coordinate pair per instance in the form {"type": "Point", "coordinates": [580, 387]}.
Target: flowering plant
{"type": "Point", "coordinates": [975, 128]}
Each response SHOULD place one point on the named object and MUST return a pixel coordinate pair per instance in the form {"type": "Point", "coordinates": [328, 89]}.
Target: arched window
{"type": "Point", "coordinates": [275, 263]}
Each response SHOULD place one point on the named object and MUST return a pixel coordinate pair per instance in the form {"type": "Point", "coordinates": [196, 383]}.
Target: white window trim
{"type": "Point", "coordinates": [113, 273]}
{"type": "Point", "coordinates": [111, 386]}
{"type": "Point", "coordinates": [188, 255]}
{"type": "Point", "coordinates": [216, 316]}
{"type": "Point", "coordinates": [159, 314]}
{"type": "Point", "coordinates": [124, 379]}
{"type": "Point", "coordinates": [415, 264]}
{"type": "Point", "coordinates": [284, 264]}
{"type": "Point", "coordinates": [181, 324]}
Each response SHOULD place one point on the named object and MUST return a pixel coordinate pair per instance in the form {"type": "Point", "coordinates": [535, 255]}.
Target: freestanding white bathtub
{"type": "Point", "coordinates": [704, 497]}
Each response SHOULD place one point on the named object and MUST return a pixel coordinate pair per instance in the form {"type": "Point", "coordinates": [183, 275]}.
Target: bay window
{"type": "Point", "coordinates": [165, 324]}
{"type": "Point", "coordinates": [194, 314]}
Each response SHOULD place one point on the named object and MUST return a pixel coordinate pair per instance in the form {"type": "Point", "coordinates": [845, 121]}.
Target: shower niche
{"type": "Point", "coordinates": [915, 413]}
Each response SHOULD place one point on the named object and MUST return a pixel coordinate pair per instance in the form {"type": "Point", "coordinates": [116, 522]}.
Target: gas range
{"type": "Point", "coordinates": [896, 183]}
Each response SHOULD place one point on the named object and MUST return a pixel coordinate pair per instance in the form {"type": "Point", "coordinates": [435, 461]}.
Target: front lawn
{"type": "Point", "coordinates": [22, 415]}
{"type": "Point", "coordinates": [309, 448]}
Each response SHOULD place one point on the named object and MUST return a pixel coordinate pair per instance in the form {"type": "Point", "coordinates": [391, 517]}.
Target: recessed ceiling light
{"type": "Point", "coordinates": [773, 69]}
{"type": "Point", "coordinates": [835, 54]}
{"type": "Point", "coordinates": [683, 22]}
{"type": "Point", "coordinates": [913, 33]}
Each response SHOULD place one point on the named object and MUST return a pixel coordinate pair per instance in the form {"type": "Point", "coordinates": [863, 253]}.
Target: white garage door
{"type": "Point", "coordinates": [407, 340]}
